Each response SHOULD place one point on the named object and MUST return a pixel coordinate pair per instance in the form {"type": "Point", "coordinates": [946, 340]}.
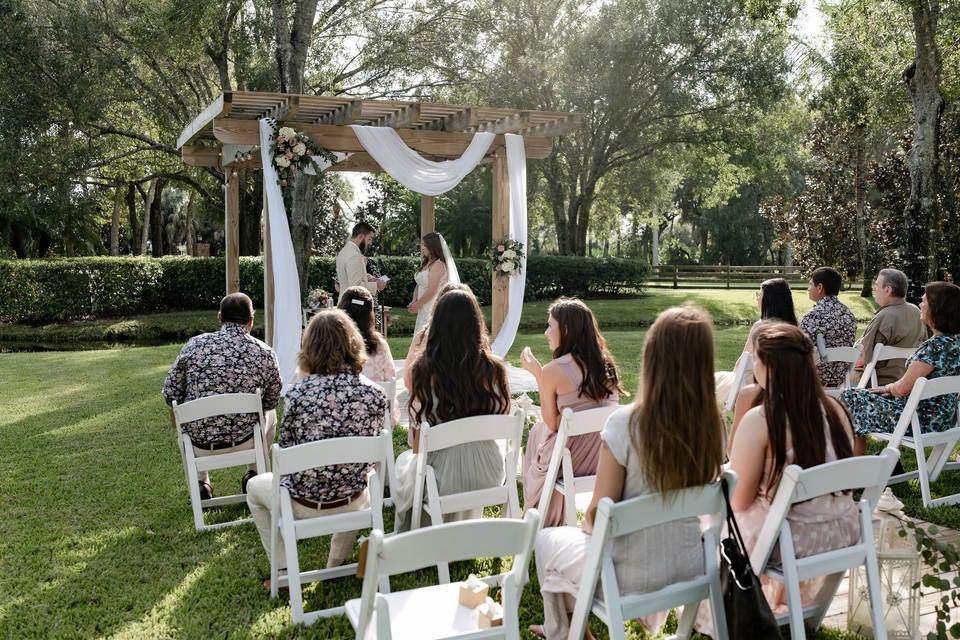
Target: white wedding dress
{"type": "Point", "coordinates": [422, 278]}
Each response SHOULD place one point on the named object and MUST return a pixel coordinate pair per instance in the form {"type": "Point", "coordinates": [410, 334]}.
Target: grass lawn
{"type": "Point", "coordinates": [97, 537]}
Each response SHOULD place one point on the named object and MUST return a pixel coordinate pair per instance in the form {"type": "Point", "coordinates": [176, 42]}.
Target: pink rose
{"type": "Point", "coordinates": [499, 247]}
{"type": "Point", "coordinates": [289, 155]}
{"type": "Point", "coordinates": [280, 139]}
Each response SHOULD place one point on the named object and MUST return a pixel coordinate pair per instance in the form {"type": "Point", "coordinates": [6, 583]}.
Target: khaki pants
{"type": "Point", "coordinates": [269, 428]}
{"type": "Point", "coordinates": [260, 501]}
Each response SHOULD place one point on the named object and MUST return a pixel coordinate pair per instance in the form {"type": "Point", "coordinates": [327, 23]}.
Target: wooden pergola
{"type": "Point", "coordinates": [223, 133]}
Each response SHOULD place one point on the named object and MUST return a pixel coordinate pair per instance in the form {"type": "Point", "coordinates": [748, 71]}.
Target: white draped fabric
{"type": "Point", "coordinates": [517, 172]}
{"type": "Point", "coordinates": [286, 284]}
{"type": "Point", "coordinates": [414, 171]}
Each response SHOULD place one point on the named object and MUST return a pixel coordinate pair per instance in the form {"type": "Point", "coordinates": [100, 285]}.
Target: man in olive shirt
{"type": "Point", "coordinates": [896, 324]}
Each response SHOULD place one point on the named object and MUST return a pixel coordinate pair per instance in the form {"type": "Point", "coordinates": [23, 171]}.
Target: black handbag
{"type": "Point", "coordinates": [748, 613]}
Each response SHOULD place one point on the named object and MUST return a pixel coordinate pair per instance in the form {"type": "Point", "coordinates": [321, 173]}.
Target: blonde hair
{"type": "Point", "coordinates": [675, 427]}
{"type": "Point", "coordinates": [330, 344]}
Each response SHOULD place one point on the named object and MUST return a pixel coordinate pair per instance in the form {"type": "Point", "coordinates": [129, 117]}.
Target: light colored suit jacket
{"type": "Point", "coordinates": [352, 270]}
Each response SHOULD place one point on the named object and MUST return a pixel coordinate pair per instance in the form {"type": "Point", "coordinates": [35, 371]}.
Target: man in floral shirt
{"type": "Point", "coordinates": [332, 400]}
{"type": "Point", "coordinates": [226, 361]}
{"type": "Point", "coordinates": [831, 319]}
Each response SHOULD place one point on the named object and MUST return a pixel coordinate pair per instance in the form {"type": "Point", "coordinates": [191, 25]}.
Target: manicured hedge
{"type": "Point", "coordinates": [36, 291]}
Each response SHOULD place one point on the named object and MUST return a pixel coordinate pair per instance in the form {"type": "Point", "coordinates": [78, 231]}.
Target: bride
{"type": "Point", "coordinates": [436, 269]}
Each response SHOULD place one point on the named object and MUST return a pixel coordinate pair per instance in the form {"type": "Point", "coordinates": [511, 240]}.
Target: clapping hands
{"type": "Point", "coordinates": [529, 362]}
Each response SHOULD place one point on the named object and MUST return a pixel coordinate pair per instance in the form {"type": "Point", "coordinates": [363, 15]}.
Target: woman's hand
{"type": "Point", "coordinates": [413, 307]}
{"type": "Point", "coordinates": [529, 362]}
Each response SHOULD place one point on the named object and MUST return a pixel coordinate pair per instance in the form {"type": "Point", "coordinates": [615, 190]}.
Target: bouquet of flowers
{"type": "Point", "coordinates": [505, 258]}
{"type": "Point", "coordinates": [319, 299]}
{"type": "Point", "coordinates": [293, 151]}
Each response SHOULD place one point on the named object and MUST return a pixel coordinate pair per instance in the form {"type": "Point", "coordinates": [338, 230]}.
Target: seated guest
{"type": "Point", "coordinates": [670, 439]}
{"type": "Point", "coordinates": [357, 303]}
{"type": "Point", "coordinates": [776, 303]}
{"type": "Point", "coordinates": [226, 361]}
{"type": "Point", "coordinates": [456, 377]}
{"type": "Point", "coordinates": [830, 320]}
{"type": "Point", "coordinates": [793, 422]}
{"type": "Point", "coordinates": [582, 375]}
{"type": "Point", "coordinates": [878, 409]}
{"type": "Point", "coordinates": [332, 400]}
{"type": "Point", "coordinates": [897, 323]}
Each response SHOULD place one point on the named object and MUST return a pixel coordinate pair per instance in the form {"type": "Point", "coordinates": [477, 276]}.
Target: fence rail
{"type": "Point", "coordinates": [720, 276]}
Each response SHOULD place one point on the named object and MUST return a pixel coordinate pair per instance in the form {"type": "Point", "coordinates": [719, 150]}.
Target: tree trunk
{"type": "Point", "coordinates": [251, 206]}
{"type": "Point", "coordinates": [301, 224]}
{"type": "Point", "coordinates": [923, 81]}
{"type": "Point", "coordinates": [115, 224]}
{"type": "Point", "coordinates": [655, 243]}
{"type": "Point", "coordinates": [190, 239]}
{"type": "Point", "coordinates": [156, 218]}
{"type": "Point", "coordinates": [147, 206]}
{"type": "Point", "coordinates": [860, 200]}
{"type": "Point", "coordinates": [134, 248]}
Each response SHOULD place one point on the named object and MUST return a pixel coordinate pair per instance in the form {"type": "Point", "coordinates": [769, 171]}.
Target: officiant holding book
{"type": "Point", "coordinates": [352, 265]}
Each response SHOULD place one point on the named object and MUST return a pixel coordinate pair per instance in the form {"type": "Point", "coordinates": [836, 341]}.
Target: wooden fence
{"type": "Point", "coordinates": [721, 276]}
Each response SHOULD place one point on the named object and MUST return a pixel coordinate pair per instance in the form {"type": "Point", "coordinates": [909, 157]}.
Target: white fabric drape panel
{"type": "Point", "coordinates": [517, 173]}
{"type": "Point", "coordinates": [286, 283]}
{"type": "Point", "coordinates": [414, 171]}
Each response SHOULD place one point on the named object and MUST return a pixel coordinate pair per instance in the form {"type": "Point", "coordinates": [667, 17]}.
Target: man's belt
{"type": "Point", "coordinates": [224, 444]}
{"type": "Point", "coordinates": [328, 504]}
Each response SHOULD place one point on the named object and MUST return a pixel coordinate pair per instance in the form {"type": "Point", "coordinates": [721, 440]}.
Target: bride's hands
{"type": "Point", "coordinates": [529, 362]}
{"type": "Point", "coordinates": [413, 307]}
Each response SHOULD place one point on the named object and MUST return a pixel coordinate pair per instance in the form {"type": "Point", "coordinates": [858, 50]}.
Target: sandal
{"type": "Point", "coordinates": [206, 490]}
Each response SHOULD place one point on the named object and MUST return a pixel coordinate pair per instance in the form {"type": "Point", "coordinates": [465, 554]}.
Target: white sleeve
{"type": "Point", "coordinates": [616, 434]}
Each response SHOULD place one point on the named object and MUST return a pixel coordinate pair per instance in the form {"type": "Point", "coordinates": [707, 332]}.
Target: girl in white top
{"type": "Point", "coordinates": [430, 276]}
{"type": "Point", "coordinates": [671, 438]}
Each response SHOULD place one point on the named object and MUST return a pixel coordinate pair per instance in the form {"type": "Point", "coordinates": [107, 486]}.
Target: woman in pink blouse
{"type": "Point", "coordinates": [357, 302]}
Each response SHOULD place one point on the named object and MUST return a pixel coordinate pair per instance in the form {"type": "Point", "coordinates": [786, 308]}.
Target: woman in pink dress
{"type": "Point", "coordinates": [357, 302]}
{"type": "Point", "coordinates": [582, 375]}
{"type": "Point", "coordinates": [792, 422]}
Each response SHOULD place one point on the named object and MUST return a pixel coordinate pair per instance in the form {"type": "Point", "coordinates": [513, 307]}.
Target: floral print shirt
{"type": "Point", "coordinates": [226, 361]}
{"type": "Point", "coordinates": [330, 406]}
{"type": "Point", "coordinates": [838, 326]}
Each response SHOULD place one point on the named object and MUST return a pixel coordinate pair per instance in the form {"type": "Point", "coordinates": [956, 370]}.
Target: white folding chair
{"type": "Point", "coordinates": [209, 407]}
{"type": "Point", "coordinates": [869, 473]}
{"type": "Point", "coordinates": [882, 352]}
{"type": "Point", "coordinates": [614, 520]}
{"type": "Point", "coordinates": [850, 355]}
{"type": "Point", "coordinates": [941, 443]}
{"type": "Point", "coordinates": [390, 390]}
{"type": "Point", "coordinates": [571, 425]}
{"type": "Point", "coordinates": [457, 432]}
{"type": "Point", "coordinates": [741, 374]}
{"type": "Point", "coordinates": [434, 612]}
{"type": "Point", "coordinates": [322, 453]}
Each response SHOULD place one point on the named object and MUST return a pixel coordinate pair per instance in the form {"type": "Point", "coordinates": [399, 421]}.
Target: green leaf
{"type": "Point", "coordinates": [955, 630]}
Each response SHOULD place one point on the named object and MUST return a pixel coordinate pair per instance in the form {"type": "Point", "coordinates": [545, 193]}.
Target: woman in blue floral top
{"type": "Point", "coordinates": [878, 409]}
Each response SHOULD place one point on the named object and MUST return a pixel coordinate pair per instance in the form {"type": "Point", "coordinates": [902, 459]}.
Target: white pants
{"type": "Point", "coordinates": [260, 500]}
{"type": "Point", "coordinates": [269, 428]}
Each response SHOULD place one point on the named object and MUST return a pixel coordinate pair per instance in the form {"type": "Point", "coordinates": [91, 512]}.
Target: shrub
{"type": "Point", "coordinates": [36, 291]}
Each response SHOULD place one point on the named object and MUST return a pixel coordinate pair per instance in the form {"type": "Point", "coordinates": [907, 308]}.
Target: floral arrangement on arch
{"type": "Point", "coordinates": [505, 258]}
{"type": "Point", "coordinates": [319, 299]}
{"type": "Point", "coordinates": [293, 151]}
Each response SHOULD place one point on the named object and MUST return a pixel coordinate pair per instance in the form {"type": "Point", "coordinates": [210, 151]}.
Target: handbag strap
{"type": "Point", "coordinates": [732, 526]}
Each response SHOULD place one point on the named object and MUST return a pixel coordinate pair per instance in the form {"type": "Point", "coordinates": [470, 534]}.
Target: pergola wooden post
{"type": "Point", "coordinates": [227, 131]}
{"type": "Point", "coordinates": [231, 228]}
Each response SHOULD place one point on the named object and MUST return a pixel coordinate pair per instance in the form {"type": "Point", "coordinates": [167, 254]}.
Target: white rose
{"type": "Point", "coordinates": [288, 132]}
{"type": "Point", "coordinates": [281, 161]}
{"type": "Point", "coordinates": [509, 254]}
{"type": "Point", "coordinates": [300, 149]}
{"type": "Point", "coordinates": [507, 267]}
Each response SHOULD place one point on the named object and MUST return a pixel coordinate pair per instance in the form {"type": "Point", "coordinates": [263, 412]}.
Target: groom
{"type": "Point", "coordinates": [351, 265]}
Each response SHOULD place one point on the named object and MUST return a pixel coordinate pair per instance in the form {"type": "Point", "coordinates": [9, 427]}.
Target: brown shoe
{"type": "Point", "coordinates": [206, 490]}
{"type": "Point", "coordinates": [266, 587]}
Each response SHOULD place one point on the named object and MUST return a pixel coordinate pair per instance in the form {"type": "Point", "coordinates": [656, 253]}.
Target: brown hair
{"type": "Point", "coordinates": [357, 302]}
{"type": "Point", "coordinates": [331, 344]}
{"type": "Point", "coordinates": [457, 376]}
{"type": "Point", "coordinates": [580, 337]}
{"type": "Point", "coordinates": [236, 307]}
{"type": "Point", "coordinates": [434, 247]}
{"type": "Point", "coordinates": [943, 306]}
{"type": "Point", "coordinates": [793, 389]}
{"type": "Point", "coordinates": [675, 426]}
{"type": "Point", "coordinates": [829, 277]}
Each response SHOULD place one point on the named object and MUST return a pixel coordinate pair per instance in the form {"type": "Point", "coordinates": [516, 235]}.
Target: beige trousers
{"type": "Point", "coordinates": [269, 428]}
{"type": "Point", "coordinates": [260, 501]}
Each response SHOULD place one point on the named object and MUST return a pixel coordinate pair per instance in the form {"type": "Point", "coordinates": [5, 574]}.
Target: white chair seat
{"type": "Point", "coordinates": [428, 613]}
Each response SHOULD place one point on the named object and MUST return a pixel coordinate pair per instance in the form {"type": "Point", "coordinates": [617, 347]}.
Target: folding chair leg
{"type": "Point", "coordinates": [873, 578]}
{"type": "Point", "coordinates": [274, 564]}
{"type": "Point", "coordinates": [193, 487]}
{"type": "Point", "coordinates": [569, 505]}
{"type": "Point", "coordinates": [923, 473]}
{"type": "Point", "coordinates": [825, 597]}
{"type": "Point", "coordinates": [688, 617]}
{"type": "Point", "coordinates": [791, 584]}
{"type": "Point", "coordinates": [939, 457]}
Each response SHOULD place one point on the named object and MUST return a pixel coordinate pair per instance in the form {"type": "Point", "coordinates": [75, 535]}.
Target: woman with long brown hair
{"type": "Point", "coordinates": [792, 422]}
{"type": "Point", "coordinates": [434, 271]}
{"type": "Point", "coordinates": [671, 438]}
{"type": "Point", "coordinates": [357, 303]}
{"type": "Point", "coordinates": [582, 375]}
{"type": "Point", "coordinates": [457, 376]}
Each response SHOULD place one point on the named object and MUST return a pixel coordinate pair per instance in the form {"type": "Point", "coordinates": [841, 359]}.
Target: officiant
{"type": "Point", "coordinates": [352, 265]}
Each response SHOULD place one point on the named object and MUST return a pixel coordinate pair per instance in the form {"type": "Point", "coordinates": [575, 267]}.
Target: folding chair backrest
{"type": "Point", "coordinates": [389, 389]}
{"type": "Point", "coordinates": [219, 405]}
{"type": "Point", "coordinates": [881, 353]}
{"type": "Point", "coordinates": [842, 354]}
{"type": "Point", "coordinates": [473, 429]}
{"type": "Point", "coordinates": [869, 473]}
{"type": "Point", "coordinates": [332, 451]}
{"type": "Point", "coordinates": [740, 372]}
{"type": "Point", "coordinates": [583, 422]}
{"type": "Point", "coordinates": [923, 389]}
